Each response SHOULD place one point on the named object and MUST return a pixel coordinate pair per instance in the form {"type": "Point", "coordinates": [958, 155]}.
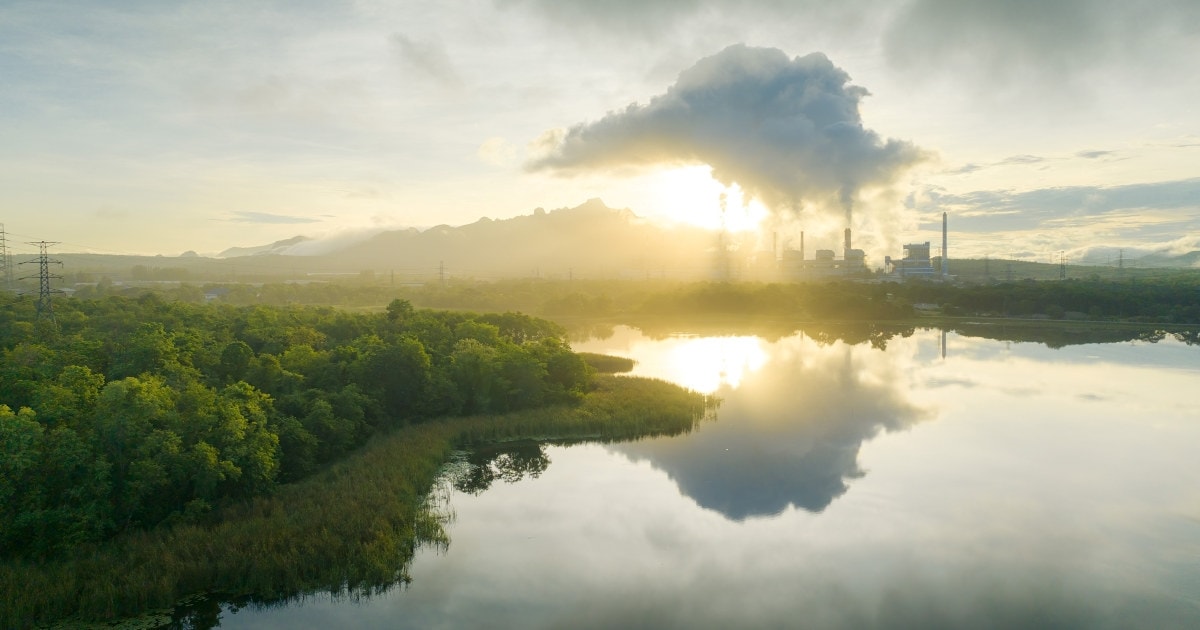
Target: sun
{"type": "Point", "coordinates": [690, 195]}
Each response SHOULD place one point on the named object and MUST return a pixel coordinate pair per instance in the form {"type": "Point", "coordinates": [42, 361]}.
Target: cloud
{"type": "Point", "coordinates": [497, 152]}
{"type": "Point", "coordinates": [618, 15]}
{"type": "Point", "coordinates": [1052, 203]}
{"type": "Point", "coordinates": [1022, 159]}
{"type": "Point", "coordinates": [1092, 155]}
{"type": "Point", "coordinates": [1054, 44]}
{"type": "Point", "coordinates": [428, 58]}
{"type": "Point", "coordinates": [624, 19]}
{"type": "Point", "coordinates": [789, 436]}
{"type": "Point", "coordinates": [787, 131]}
{"type": "Point", "coordinates": [264, 217]}
{"type": "Point", "coordinates": [969, 167]}
{"type": "Point", "coordinates": [1141, 218]}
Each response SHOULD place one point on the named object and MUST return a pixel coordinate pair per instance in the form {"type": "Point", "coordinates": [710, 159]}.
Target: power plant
{"type": "Point", "coordinates": [916, 262]}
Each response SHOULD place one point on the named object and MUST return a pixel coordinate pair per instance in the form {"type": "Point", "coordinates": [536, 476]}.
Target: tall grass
{"type": "Point", "coordinates": [353, 527]}
{"type": "Point", "coordinates": [607, 363]}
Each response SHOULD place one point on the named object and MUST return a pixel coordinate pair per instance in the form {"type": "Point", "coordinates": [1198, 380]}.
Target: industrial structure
{"type": "Point", "coordinates": [917, 262]}
{"type": "Point", "coordinates": [44, 277]}
{"type": "Point", "coordinates": [6, 269]}
{"type": "Point", "coordinates": [825, 263]}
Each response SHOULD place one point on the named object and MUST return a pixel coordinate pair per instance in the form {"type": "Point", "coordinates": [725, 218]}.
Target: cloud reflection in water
{"type": "Point", "coordinates": [786, 435]}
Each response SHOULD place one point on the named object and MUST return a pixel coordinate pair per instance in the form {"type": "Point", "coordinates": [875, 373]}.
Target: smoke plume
{"type": "Point", "coordinates": [787, 131]}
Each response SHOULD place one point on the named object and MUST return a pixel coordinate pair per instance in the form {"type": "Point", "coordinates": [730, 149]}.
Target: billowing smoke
{"type": "Point", "coordinates": [787, 131]}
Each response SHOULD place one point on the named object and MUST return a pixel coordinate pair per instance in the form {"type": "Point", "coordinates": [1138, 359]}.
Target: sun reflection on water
{"type": "Point", "coordinates": [703, 364]}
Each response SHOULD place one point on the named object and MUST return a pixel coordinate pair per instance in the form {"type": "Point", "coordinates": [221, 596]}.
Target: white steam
{"type": "Point", "coordinates": [787, 131]}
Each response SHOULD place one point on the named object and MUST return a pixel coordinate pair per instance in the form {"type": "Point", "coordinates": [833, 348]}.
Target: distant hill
{"type": "Point", "coordinates": [278, 247]}
{"type": "Point", "coordinates": [591, 239]}
{"type": "Point", "coordinates": [1190, 259]}
{"type": "Point", "coordinates": [1135, 257]}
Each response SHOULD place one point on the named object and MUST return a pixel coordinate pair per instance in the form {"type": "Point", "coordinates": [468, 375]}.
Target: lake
{"type": "Point", "coordinates": [929, 480]}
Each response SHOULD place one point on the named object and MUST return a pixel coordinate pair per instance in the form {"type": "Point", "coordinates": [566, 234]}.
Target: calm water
{"type": "Point", "coordinates": [956, 482]}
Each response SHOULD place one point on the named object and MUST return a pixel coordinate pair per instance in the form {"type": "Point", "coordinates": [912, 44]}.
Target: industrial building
{"type": "Point", "coordinates": [917, 262]}
{"type": "Point", "coordinates": [825, 263]}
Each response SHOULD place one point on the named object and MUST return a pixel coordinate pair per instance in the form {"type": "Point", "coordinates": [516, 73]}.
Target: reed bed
{"type": "Point", "coordinates": [352, 528]}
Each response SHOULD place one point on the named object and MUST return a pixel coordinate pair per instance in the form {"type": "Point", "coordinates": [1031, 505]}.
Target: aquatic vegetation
{"type": "Point", "coordinates": [352, 527]}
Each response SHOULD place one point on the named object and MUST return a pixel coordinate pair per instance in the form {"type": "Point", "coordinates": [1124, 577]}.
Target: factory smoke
{"type": "Point", "coordinates": [787, 131]}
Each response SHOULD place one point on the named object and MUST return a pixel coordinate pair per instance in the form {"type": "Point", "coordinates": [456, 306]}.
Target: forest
{"type": "Point", "coordinates": [1169, 297]}
{"type": "Point", "coordinates": [124, 414]}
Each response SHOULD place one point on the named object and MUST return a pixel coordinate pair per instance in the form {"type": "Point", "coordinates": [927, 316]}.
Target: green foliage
{"type": "Point", "coordinates": [353, 527]}
{"type": "Point", "coordinates": [607, 363]}
{"type": "Point", "coordinates": [139, 412]}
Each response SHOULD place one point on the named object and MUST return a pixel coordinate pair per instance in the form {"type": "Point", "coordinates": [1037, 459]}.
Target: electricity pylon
{"type": "Point", "coordinates": [44, 277]}
{"type": "Point", "coordinates": [6, 271]}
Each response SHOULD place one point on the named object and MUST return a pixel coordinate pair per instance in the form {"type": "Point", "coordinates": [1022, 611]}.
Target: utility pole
{"type": "Point", "coordinates": [6, 271]}
{"type": "Point", "coordinates": [44, 277]}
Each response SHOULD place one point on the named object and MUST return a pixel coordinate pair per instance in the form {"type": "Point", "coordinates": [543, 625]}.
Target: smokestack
{"type": "Point", "coordinates": [945, 256]}
{"type": "Point", "coordinates": [847, 240]}
{"type": "Point", "coordinates": [802, 245]}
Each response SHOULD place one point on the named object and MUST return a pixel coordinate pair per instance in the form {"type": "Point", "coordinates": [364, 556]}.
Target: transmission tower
{"type": "Point", "coordinates": [1062, 265]}
{"type": "Point", "coordinates": [44, 277]}
{"type": "Point", "coordinates": [6, 271]}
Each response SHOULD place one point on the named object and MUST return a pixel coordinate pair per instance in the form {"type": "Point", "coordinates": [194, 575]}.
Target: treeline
{"type": "Point", "coordinates": [1173, 299]}
{"type": "Point", "coordinates": [127, 413]}
{"type": "Point", "coordinates": [1163, 298]}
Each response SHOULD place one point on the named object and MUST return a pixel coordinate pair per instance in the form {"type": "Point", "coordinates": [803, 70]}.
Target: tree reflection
{"type": "Point", "coordinates": [790, 434]}
{"type": "Point", "coordinates": [509, 462]}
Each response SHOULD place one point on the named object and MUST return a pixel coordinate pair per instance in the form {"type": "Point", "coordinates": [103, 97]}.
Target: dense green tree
{"type": "Point", "coordinates": [235, 361]}
{"type": "Point", "coordinates": [19, 436]}
{"type": "Point", "coordinates": [399, 375]}
{"type": "Point", "coordinates": [70, 398]}
{"type": "Point", "coordinates": [475, 373]}
{"type": "Point", "coordinates": [146, 350]}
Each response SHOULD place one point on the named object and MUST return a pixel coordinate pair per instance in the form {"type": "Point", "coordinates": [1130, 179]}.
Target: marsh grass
{"type": "Point", "coordinates": [352, 528]}
{"type": "Point", "coordinates": [607, 363]}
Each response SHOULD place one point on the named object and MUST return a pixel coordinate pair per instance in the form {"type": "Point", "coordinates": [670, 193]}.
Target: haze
{"type": "Point", "coordinates": [150, 128]}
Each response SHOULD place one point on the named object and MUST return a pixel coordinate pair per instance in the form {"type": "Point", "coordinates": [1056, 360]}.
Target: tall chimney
{"type": "Point", "coordinates": [847, 240]}
{"type": "Point", "coordinates": [945, 256]}
{"type": "Point", "coordinates": [801, 245]}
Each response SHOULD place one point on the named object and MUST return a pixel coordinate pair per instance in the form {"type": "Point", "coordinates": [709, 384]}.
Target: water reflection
{"type": "Point", "coordinates": [788, 434]}
{"type": "Point", "coordinates": [1041, 488]}
{"type": "Point", "coordinates": [509, 462]}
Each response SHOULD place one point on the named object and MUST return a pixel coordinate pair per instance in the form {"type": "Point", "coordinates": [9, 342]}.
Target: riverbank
{"type": "Point", "coordinates": [354, 526]}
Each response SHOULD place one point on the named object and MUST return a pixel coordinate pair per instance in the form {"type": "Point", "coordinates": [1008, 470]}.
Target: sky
{"type": "Point", "coordinates": [1040, 127]}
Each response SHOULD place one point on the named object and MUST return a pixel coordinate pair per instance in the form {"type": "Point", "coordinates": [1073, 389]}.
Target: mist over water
{"type": "Point", "coordinates": [944, 481]}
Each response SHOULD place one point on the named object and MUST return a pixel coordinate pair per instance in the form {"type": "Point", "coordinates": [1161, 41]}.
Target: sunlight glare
{"type": "Point", "coordinates": [691, 195]}
{"type": "Point", "coordinates": [705, 364]}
